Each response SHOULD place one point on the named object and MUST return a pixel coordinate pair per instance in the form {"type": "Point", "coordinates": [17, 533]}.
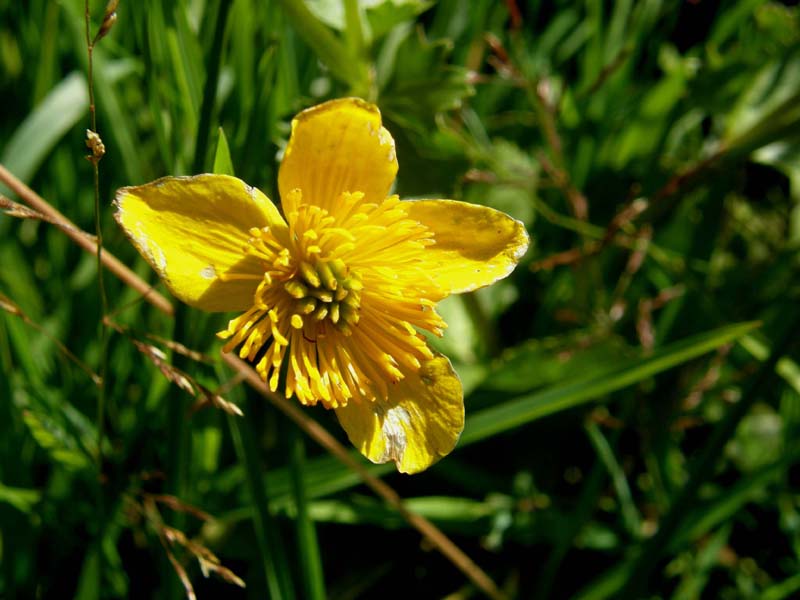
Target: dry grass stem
{"type": "Point", "coordinates": [180, 378]}
{"type": "Point", "coordinates": [11, 307]}
{"type": "Point", "coordinates": [85, 241]}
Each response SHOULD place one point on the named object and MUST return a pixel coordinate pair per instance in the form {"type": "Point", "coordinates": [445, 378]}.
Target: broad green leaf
{"type": "Point", "coordinates": [422, 82]}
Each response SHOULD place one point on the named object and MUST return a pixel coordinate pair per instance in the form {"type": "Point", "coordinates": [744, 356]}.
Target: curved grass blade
{"type": "Point", "coordinates": [520, 411]}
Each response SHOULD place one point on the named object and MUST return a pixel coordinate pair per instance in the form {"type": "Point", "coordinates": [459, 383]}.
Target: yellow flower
{"type": "Point", "coordinates": [335, 293]}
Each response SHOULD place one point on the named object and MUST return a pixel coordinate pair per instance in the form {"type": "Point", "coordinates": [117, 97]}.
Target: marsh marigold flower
{"type": "Point", "coordinates": [335, 293]}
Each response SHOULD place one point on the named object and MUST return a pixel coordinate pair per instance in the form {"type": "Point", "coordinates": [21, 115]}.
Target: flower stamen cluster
{"type": "Point", "coordinates": [342, 300]}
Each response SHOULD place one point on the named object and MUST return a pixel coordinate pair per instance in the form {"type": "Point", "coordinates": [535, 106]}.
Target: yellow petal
{"type": "Point", "coordinates": [193, 230]}
{"type": "Point", "coordinates": [475, 245]}
{"type": "Point", "coordinates": [338, 146]}
{"type": "Point", "coordinates": [416, 426]}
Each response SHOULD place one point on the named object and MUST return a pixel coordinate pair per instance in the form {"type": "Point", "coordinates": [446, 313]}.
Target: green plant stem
{"type": "Point", "coordinates": [355, 35]}
{"type": "Point", "coordinates": [99, 236]}
{"type": "Point", "coordinates": [103, 332]}
{"type": "Point", "coordinates": [210, 88]}
{"type": "Point", "coordinates": [327, 47]}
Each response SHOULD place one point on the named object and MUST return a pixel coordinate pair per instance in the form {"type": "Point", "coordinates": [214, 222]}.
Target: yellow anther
{"type": "Point", "coordinates": [323, 295]}
{"type": "Point", "coordinates": [341, 294]}
{"type": "Point", "coordinates": [296, 289]}
{"type": "Point", "coordinates": [353, 299]}
{"type": "Point", "coordinates": [335, 312]}
{"type": "Point", "coordinates": [326, 275]}
{"type": "Point", "coordinates": [338, 267]}
{"type": "Point", "coordinates": [349, 313]}
{"type": "Point", "coordinates": [307, 305]}
{"type": "Point", "coordinates": [321, 313]}
{"type": "Point", "coordinates": [309, 274]}
{"type": "Point", "coordinates": [297, 321]}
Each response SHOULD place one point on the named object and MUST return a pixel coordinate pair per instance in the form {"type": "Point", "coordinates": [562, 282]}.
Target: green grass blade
{"type": "Point", "coordinates": [36, 136]}
{"type": "Point", "coordinates": [630, 514]}
{"type": "Point", "coordinates": [787, 588]}
{"type": "Point", "coordinates": [310, 560]}
{"type": "Point", "coordinates": [328, 48]}
{"type": "Point", "coordinates": [223, 165]}
{"type": "Point", "coordinates": [528, 408]}
{"type": "Point", "coordinates": [210, 87]}
{"type": "Point", "coordinates": [274, 559]}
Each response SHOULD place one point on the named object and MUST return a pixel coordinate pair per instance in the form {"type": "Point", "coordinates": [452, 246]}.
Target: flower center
{"type": "Point", "coordinates": [343, 296]}
{"type": "Point", "coordinates": [325, 292]}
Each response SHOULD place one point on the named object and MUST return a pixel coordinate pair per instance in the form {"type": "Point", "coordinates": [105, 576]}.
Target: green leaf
{"type": "Point", "coordinates": [275, 563]}
{"type": "Point", "coordinates": [419, 80]}
{"type": "Point", "coordinates": [788, 588]}
{"type": "Point", "coordinates": [24, 500]}
{"type": "Point", "coordinates": [310, 559]}
{"type": "Point", "coordinates": [222, 156]}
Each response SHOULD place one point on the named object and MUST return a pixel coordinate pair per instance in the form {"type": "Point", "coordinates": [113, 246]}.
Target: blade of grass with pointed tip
{"type": "Point", "coordinates": [222, 155]}
{"type": "Point", "coordinates": [520, 411]}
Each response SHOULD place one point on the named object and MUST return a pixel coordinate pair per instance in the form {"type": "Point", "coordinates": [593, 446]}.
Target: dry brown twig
{"type": "Point", "coordinates": [708, 380]}
{"type": "Point", "coordinates": [144, 505]}
{"type": "Point", "coordinates": [20, 211]}
{"type": "Point", "coordinates": [85, 241]}
{"type": "Point", "coordinates": [644, 321]}
{"type": "Point", "coordinates": [11, 307]}
{"type": "Point", "coordinates": [630, 212]}
{"type": "Point", "coordinates": [203, 395]}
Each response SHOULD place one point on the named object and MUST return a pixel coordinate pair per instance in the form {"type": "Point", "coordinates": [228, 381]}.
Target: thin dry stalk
{"type": "Point", "coordinates": [182, 379]}
{"type": "Point", "coordinates": [644, 321]}
{"type": "Point", "coordinates": [20, 211]}
{"type": "Point", "coordinates": [13, 308]}
{"type": "Point", "coordinates": [708, 380]}
{"type": "Point", "coordinates": [145, 506]}
{"type": "Point", "coordinates": [540, 95]}
{"type": "Point", "coordinates": [85, 241]}
{"type": "Point", "coordinates": [632, 211]}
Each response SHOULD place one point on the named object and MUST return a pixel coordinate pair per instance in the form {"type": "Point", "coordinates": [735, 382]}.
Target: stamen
{"type": "Point", "coordinates": [343, 296]}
